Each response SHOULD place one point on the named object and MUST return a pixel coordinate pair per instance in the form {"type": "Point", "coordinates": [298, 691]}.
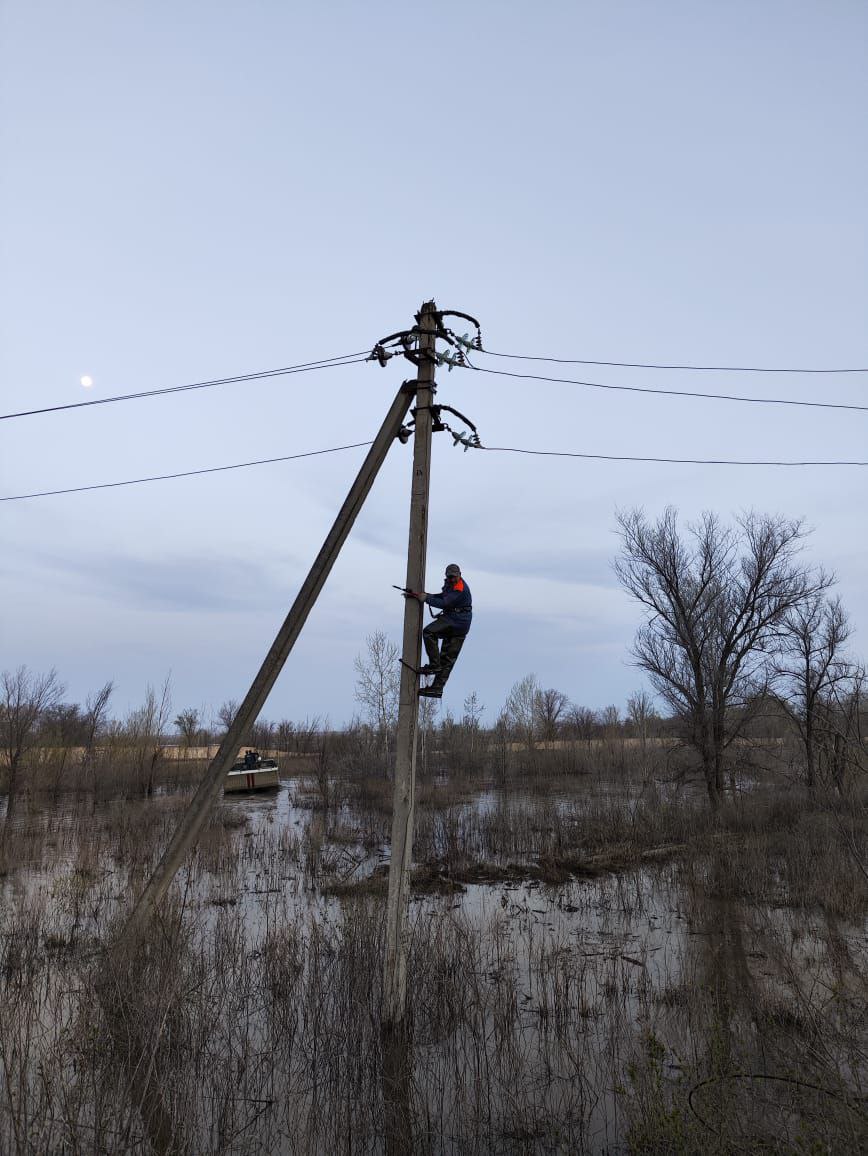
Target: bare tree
{"type": "Point", "coordinates": [145, 729]}
{"type": "Point", "coordinates": [378, 685]}
{"type": "Point", "coordinates": [61, 729]}
{"type": "Point", "coordinates": [284, 735]}
{"type": "Point", "coordinates": [307, 734]}
{"type": "Point", "coordinates": [186, 722]}
{"type": "Point", "coordinates": [640, 711]}
{"type": "Point", "coordinates": [227, 712]}
{"type": "Point", "coordinates": [262, 734]}
{"type": "Point", "coordinates": [610, 720]}
{"type": "Point", "coordinates": [95, 715]}
{"type": "Point", "coordinates": [550, 707]}
{"type": "Point", "coordinates": [95, 725]}
{"type": "Point", "coordinates": [842, 741]}
{"type": "Point", "coordinates": [26, 697]}
{"type": "Point", "coordinates": [716, 604]}
{"type": "Point", "coordinates": [811, 668]}
{"type": "Point", "coordinates": [582, 722]}
{"type": "Point", "coordinates": [226, 717]}
{"type": "Point", "coordinates": [473, 711]}
{"type": "Point", "coordinates": [520, 708]}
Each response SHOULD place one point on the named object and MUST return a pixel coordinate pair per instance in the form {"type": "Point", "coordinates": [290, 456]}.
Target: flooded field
{"type": "Point", "coordinates": [594, 968]}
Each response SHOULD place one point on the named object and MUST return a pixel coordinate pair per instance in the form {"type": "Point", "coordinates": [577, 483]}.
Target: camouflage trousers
{"type": "Point", "coordinates": [442, 657]}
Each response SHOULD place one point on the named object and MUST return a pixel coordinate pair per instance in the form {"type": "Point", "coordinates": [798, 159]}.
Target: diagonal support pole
{"type": "Point", "coordinates": [196, 815]}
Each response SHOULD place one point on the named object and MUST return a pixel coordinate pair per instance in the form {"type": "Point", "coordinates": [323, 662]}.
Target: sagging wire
{"type": "Point", "coordinates": [260, 375]}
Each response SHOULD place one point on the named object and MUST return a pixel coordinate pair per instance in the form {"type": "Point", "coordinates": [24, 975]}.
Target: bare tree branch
{"type": "Point", "coordinates": [717, 601]}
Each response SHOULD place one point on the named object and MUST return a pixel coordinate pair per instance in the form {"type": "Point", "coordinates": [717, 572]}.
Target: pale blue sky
{"type": "Point", "coordinates": [192, 190]}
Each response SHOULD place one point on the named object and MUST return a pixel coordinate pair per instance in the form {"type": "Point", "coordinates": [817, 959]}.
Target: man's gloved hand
{"type": "Point", "coordinates": [415, 594]}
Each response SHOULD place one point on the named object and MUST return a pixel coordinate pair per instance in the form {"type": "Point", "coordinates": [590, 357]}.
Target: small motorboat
{"type": "Point", "coordinates": [252, 773]}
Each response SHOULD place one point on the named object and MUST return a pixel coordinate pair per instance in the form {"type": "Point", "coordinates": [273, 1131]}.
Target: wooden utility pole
{"type": "Point", "coordinates": [200, 807]}
{"type": "Point", "coordinates": [395, 978]}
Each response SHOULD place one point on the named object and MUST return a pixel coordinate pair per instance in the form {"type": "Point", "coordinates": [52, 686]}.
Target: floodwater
{"type": "Point", "coordinates": [583, 983]}
{"type": "Point", "coordinates": [588, 1016]}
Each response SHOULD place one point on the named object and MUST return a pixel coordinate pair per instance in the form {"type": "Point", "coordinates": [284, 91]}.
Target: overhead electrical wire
{"type": "Point", "coordinates": [304, 367]}
{"type": "Point", "coordinates": [672, 392]}
{"type": "Point", "coordinates": [184, 474]}
{"type": "Point", "coordinates": [361, 356]}
{"type": "Point", "coordinates": [488, 449]}
{"type": "Point", "coordinates": [653, 365]}
{"type": "Point", "coordinates": [355, 358]}
{"type": "Point", "coordinates": [667, 461]}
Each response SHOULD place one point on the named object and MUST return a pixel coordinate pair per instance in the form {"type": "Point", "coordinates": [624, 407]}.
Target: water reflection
{"type": "Point", "coordinates": [575, 1017]}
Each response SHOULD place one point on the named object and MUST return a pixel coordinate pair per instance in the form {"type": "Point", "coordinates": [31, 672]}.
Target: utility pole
{"type": "Point", "coordinates": [395, 977]}
{"type": "Point", "coordinates": [196, 815]}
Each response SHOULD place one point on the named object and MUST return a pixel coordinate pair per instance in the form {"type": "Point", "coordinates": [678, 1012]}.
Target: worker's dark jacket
{"type": "Point", "coordinates": [456, 604]}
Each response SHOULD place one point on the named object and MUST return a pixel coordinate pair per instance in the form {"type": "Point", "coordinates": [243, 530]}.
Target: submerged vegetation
{"type": "Point", "coordinates": [627, 935]}
{"type": "Point", "coordinates": [600, 961]}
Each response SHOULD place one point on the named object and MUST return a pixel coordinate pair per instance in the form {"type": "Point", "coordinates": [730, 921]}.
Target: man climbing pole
{"type": "Point", "coordinates": [449, 628]}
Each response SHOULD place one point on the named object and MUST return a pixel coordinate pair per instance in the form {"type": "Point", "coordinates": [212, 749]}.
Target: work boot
{"type": "Point", "coordinates": [432, 691]}
{"type": "Point", "coordinates": [429, 669]}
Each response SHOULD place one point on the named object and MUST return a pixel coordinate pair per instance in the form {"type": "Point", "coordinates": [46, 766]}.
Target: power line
{"type": "Point", "coordinates": [673, 392]}
{"type": "Point", "coordinates": [668, 461]}
{"type": "Point", "coordinates": [304, 367]}
{"type": "Point", "coordinates": [185, 474]}
{"type": "Point", "coordinates": [651, 365]}
{"type": "Point", "coordinates": [360, 356]}
{"type": "Point", "coordinates": [488, 449]}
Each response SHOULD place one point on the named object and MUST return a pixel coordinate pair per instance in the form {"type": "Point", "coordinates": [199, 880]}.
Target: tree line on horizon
{"type": "Point", "coordinates": [741, 637]}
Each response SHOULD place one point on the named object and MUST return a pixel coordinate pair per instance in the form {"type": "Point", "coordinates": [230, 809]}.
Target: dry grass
{"type": "Point", "coordinates": [597, 964]}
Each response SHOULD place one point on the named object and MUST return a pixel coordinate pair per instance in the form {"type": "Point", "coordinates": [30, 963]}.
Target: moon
{"type": "Point", "coordinates": [87, 381]}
